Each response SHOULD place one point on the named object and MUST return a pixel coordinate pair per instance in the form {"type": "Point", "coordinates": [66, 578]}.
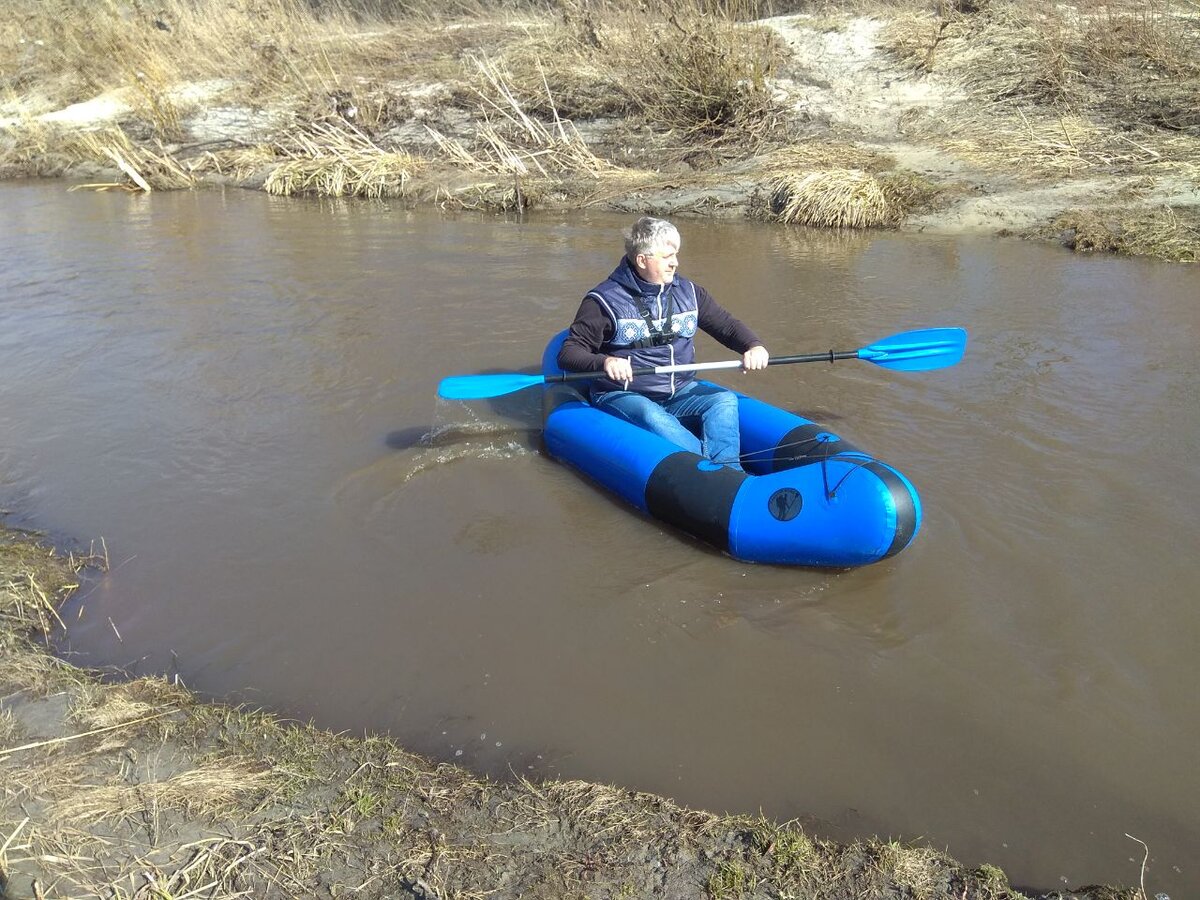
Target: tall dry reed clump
{"type": "Point", "coordinates": [694, 67]}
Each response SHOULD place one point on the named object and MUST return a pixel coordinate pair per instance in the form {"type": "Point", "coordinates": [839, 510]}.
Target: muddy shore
{"type": "Point", "coordinates": [139, 789]}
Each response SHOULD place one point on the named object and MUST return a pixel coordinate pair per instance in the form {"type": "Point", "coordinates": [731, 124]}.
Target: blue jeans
{"type": "Point", "coordinates": [714, 408]}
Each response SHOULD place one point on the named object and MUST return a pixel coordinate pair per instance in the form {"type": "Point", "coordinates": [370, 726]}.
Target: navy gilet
{"type": "Point", "coordinates": [653, 325]}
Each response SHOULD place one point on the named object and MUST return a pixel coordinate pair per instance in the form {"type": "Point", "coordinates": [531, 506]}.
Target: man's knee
{"type": "Point", "coordinates": [723, 403]}
{"type": "Point", "coordinates": [727, 400]}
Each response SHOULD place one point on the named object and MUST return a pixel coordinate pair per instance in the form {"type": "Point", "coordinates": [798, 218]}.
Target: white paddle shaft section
{"type": "Point", "coordinates": [699, 367]}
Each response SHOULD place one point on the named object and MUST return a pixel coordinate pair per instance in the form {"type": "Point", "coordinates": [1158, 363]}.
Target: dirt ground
{"type": "Point", "coordinates": [136, 789]}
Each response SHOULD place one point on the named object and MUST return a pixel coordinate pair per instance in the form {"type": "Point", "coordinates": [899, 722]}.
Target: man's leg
{"type": "Point", "coordinates": [645, 413]}
{"type": "Point", "coordinates": [717, 409]}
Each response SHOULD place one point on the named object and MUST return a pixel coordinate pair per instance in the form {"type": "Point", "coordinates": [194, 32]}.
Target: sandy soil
{"type": "Point", "coordinates": [847, 80]}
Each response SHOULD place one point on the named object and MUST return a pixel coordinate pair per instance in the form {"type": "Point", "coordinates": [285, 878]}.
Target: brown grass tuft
{"type": "Point", "coordinates": [837, 198]}
{"type": "Point", "coordinates": [1166, 233]}
{"type": "Point", "coordinates": [207, 790]}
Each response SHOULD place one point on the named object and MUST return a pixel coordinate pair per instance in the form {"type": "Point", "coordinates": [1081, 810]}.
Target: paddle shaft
{"type": "Point", "coordinates": [910, 351]}
{"type": "Point", "coordinates": [831, 356]}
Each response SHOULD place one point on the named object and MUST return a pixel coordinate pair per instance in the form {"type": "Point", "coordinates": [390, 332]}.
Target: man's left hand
{"type": "Point", "coordinates": [755, 358]}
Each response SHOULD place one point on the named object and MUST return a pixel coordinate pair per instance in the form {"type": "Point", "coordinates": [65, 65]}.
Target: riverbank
{"type": "Point", "coordinates": [993, 117]}
{"type": "Point", "coordinates": [139, 789]}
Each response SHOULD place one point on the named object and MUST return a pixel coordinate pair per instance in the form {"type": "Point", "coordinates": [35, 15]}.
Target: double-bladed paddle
{"type": "Point", "coordinates": [910, 351]}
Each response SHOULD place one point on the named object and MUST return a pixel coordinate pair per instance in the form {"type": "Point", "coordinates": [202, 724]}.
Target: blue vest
{"type": "Point", "coordinates": [653, 325]}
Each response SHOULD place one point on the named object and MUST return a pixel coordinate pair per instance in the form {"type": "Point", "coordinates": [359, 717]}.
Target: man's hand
{"type": "Point", "coordinates": [618, 369]}
{"type": "Point", "coordinates": [755, 358]}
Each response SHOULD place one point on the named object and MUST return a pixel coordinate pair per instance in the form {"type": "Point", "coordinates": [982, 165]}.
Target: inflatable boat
{"type": "Point", "coordinates": [806, 498]}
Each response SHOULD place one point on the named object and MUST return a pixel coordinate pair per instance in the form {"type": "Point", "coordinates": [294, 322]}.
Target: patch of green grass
{"type": "Point", "coordinates": [731, 881]}
{"type": "Point", "coordinates": [365, 802]}
{"type": "Point", "coordinates": [993, 884]}
{"type": "Point", "coordinates": [793, 854]}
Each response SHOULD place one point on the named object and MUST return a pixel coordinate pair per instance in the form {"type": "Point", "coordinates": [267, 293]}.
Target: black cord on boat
{"type": "Point", "coordinates": [830, 494]}
{"type": "Point", "coordinates": [815, 439]}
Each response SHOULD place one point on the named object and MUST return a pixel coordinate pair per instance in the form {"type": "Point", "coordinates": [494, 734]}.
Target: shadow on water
{"type": "Point", "coordinates": [458, 421]}
{"type": "Point", "coordinates": [409, 438]}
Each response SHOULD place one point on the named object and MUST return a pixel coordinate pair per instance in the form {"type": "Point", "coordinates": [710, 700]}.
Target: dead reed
{"type": "Point", "coordinates": [339, 161]}
{"type": "Point", "coordinates": [695, 69]}
{"type": "Point", "coordinates": [512, 141]}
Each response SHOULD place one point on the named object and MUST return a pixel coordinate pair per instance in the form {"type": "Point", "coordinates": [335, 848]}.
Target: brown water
{"type": "Point", "coordinates": [232, 390]}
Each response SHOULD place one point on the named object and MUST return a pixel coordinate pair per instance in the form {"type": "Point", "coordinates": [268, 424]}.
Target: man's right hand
{"type": "Point", "coordinates": [618, 369]}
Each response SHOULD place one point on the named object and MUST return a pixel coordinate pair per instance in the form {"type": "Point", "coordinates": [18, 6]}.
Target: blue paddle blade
{"type": "Point", "coordinates": [480, 387]}
{"type": "Point", "coordinates": [918, 351]}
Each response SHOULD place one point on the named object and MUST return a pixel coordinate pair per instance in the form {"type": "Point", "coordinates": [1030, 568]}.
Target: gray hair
{"type": "Point", "coordinates": [648, 235]}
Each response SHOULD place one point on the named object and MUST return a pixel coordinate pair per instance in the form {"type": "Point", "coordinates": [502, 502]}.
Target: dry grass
{"type": "Point", "coordinates": [73, 50]}
{"type": "Point", "coordinates": [700, 71]}
{"type": "Point", "coordinates": [821, 155]}
{"type": "Point", "coordinates": [42, 149]}
{"type": "Point", "coordinates": [838, 198]}
{"type": "Point", "coordinates": [512, 141]}
{"type": "Point", "coordinates": [699, 74]}
{"type": "Point", "coordinates": [1028, 52]}
{"type": "Point", "coordinates": [836, 185]}
{"type": "Point", "coordinates": [339, 161]}
{"type": "Point", "coordinates": [206, 791]}
{"type": "Point", "coordinates": [1168, 233]}
{"type": "Point", "coordinates": [1051, 97]}
{"type": "Point", "coordinates": [918, 870]}
{"type": "Point", "coordinates": [1052, 146]}
{"type": "Point", "coordinates": [1063, 90]}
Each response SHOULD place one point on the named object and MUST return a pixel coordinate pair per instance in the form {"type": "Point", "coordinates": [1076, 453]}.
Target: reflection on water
{"type": "Point", "coordinates": [238, 393]}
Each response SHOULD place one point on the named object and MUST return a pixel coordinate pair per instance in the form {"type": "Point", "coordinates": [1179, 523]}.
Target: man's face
{"type": "Point", "coordinates": [659, 267]}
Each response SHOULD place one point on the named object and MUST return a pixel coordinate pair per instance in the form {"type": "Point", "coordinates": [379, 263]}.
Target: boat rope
{"type": "Point", "coordinates": [858, 464]}
{"type": "Point", "coordinates": [816, 439]}
{"type": "Point", "coordinates": [859, 460]}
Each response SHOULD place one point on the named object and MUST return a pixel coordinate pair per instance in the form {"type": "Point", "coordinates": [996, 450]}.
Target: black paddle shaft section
{"type": "Point", "coordinates": [831, 356]}
{"type": "Point", "coordinates": [693, 499]}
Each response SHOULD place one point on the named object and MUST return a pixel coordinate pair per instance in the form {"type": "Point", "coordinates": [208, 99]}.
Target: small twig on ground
{"type": "Point", "coordinates": [12, 837]}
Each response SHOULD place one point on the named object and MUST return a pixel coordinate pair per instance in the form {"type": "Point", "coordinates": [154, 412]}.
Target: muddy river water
{"type": "Point", "coordinates": [237, 393]}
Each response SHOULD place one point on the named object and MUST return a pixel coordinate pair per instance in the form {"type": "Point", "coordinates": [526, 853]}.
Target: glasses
{"type": "Point", "coordinates": [674, 254]}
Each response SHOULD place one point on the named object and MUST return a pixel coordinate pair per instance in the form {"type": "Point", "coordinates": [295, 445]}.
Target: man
{"type": "Point", "coordinates": [646, 314]}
